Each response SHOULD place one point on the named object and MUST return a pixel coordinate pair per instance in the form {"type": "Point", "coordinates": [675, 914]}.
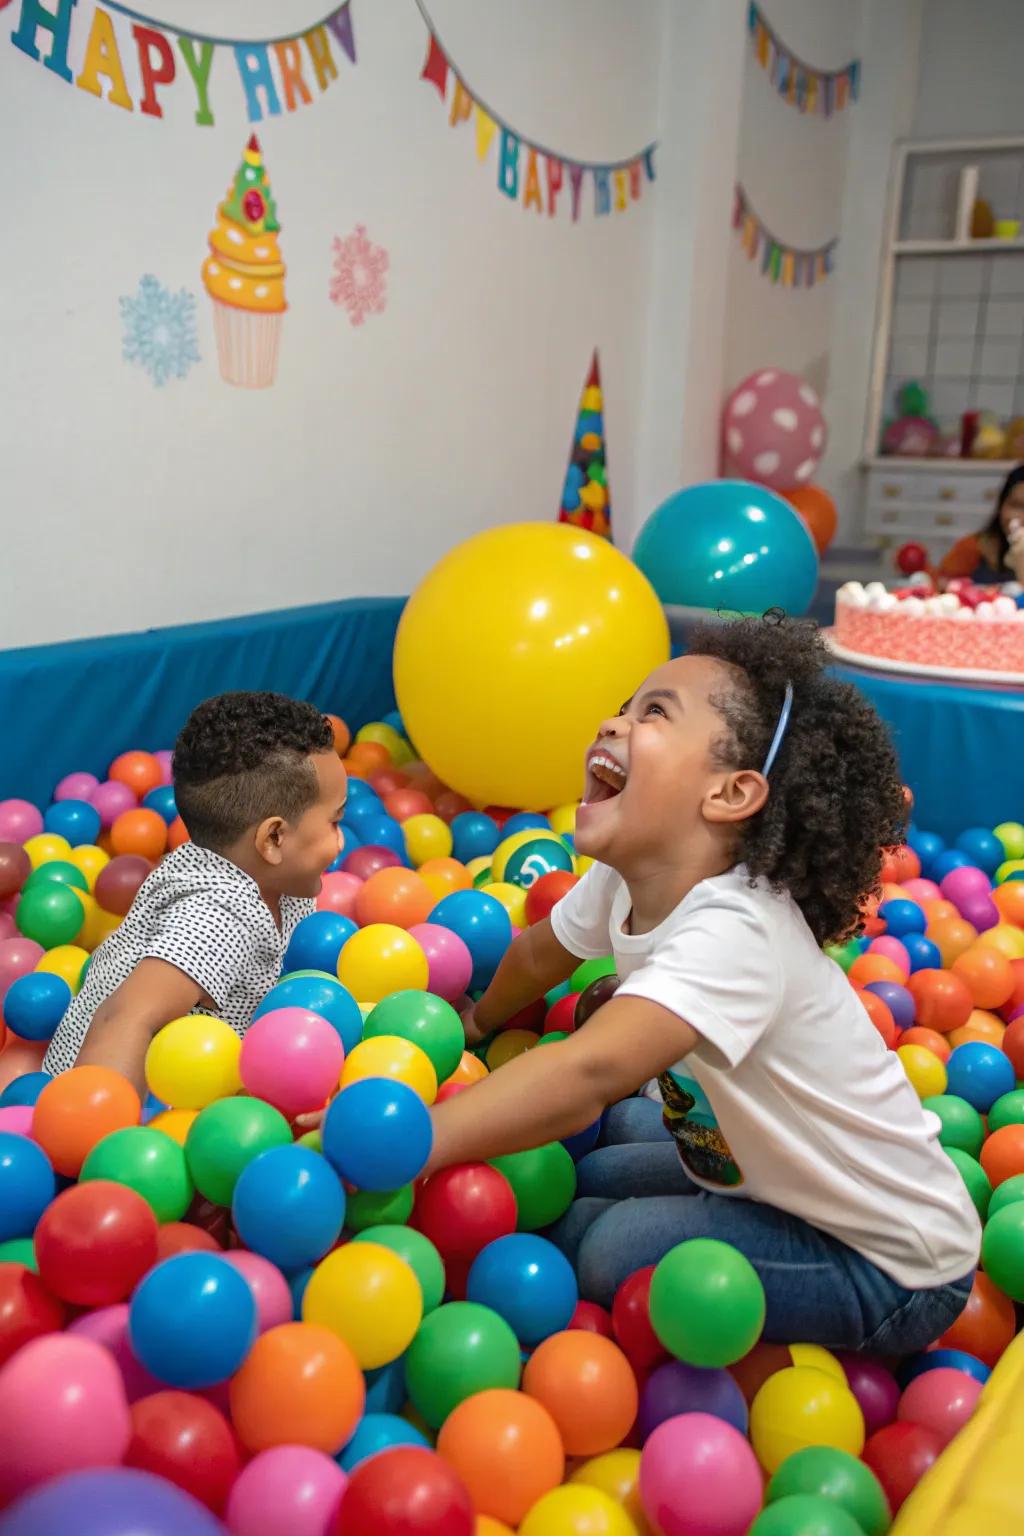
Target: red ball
{"type": "Point", "coordinates": [388, 780]}
{"type": "Point", "coordinates": [1013, 1044]}
{"type": "Point", "coordinates": [464, 1208]}
{"type": "Point", "coordinates": [186, 1440]}
{"type": "Point", "coordinates": [943, 1002]}
{"type": "Point", "coordinates": [899, 1455]}
{"type": "Point", "coordinates": [27, 1310]}
{"type": "Point", "coordinates": [450, 804]}
{"type": "Point", "coordinates": [364, 862]}
{"type": "Point", "coordinates": [404, 803]}
{"type": "Point", "coordinates": [183, 1237]}
{"type": "Point", "coordinates": [95, 1242]}
{"type": "Point", "coordinates": [531, 1017]}
{"type": "Point", "coordinates": [118, 882]}
{"type": "Point", "coordinates": [338, 892]}
{"type": "Point", "coordinates": [408, 1491]}
{"type": "Point", "coordinates": [631, 1321]}
{"type": "Point", "coordinates": [590, 1318]}
{"type": "Point", "coordinates": [449, 1090]}
{"type": "Point", "coordinates": [562, 1015]}
{"type": "Point", "coordinates": [547, 892]}
{"type": "Point", "coordinates": [911, 558]}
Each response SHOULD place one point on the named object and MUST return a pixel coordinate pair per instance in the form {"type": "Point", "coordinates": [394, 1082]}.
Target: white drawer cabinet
{"type": "Point", "coordinates": [928, 500]}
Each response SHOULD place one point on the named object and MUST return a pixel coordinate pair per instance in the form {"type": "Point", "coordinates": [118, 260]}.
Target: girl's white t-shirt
{"type": "Point", "coordinates": [791, 1097]}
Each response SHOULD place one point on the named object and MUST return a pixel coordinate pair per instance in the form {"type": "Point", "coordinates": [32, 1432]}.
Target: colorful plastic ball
{"type": "Point", "coordinates": [377, 1134]}
{"type": "Point", "coordinates": [378, 1432]}
{"type": "Point", "coordinates": [75, 820]}
{"type": "Point", "coordinates": [982, 847]}
{"type": "Point", "coordinates": [397, 896]}
{"type": "Point", "coordinates": [941, 1400]}
{"type": "Point", "coordinates": [482, 924]}
{"type": "Point", "coordinates": [474, 836]}
{"type": "Point", "coordinates": [147, 1161]}
{"type": "Point", "coordinates": [317, 942]}
{"type": "Point", "coordinates": [880, 1015]}
{"type": "Point", "coordinates": [187, 1441]}
{"type": "Point", "coordinates": [962, 1126]}
{"type": "Point", "coordinates": [801, 1406]}
{"type": "Point", "coordinates": [426, 1021]}
{"type": "Point", "coordinates": [109, 1500]}
{"type": "Point", "coordinates": [460, 1349]}
{"type": "Point", "coordinates": [300, 1385]}
{"type": "Point", "coordinates": [897, 999]}
{"type": "Point", "coordinates": [68, 961]}
{"type": "Point", "coordinates": [193, 1061]}
{"type": "Point", "coordinates": [707, 1303]}
{"type": "Point", "coordinates": [899, 1456]}
{"type": "Point", "coordinates": [34, 1005]}
{"type": "Point", "coordinates": [417, 1251]}
{"type": "Point", "coordinates": [974, 1177]}
{"type": "Point", "coordinates": [805, 1514]}
{"type": "Point", "coordinates": [925, 1072]}
{"type": "Point", "coordinates": [506, 1449]}
{"type": "Point", "coordinates": [27, 1185]}
{"type": "Point", "coordinates": [192, 1320]}
{"type": "Point", "coordinates": [289, 1206]}
{"type": "Point", "coordinates": [379, 960]}
{"type": "Point", "coordinates": [631, 1322]}
{"type": "Point", "coordinates": [1009, 1191]}
{"type": "Point", "coordinates": [50, 914]}
{"type": "Point", "coordinates": [45, 847]}
{"type": "Point", "coordinates": [1011, 836]}
{"type": "Point", "coordinates": [368, 1296]}
{"type": "Point", "coordinates": [943, 1001]}
{"type": "Point", "coordinates": [378, 830]}
{"type": "Point", "coordinates": [536, 859]}
{"type": "Point", "coordinates": [988, 975]}
{"type": "Point", "coordinates": [545, 894]}
{"type": "Point", "coordinates": [587, 1385]}
{"type": "Point", "coordinates": [901, 916]}
{"type": "Point", "coordinates": [616, 1473]}
{"type": "Point", "coordinates": [572, 1510]}
{"type": "Point", "coordinates": [945, 862]}
{"type": "Point", "coordinates": [986, 1325]}
{"type": "Point", "coordinates": [874, 1387]}
{"type": "Point", "coordinates": [867, 968]}
{"type": "Point", "coordinates": [1002, 1250]}
{"type": "Point", "coordinates": [674, 1388]}
{"type": "Point", "coordinates": [27, 1310]}
{"type": "Point", "coordinates": [463, 1208]}
{"type": "Point", "coordinates": [368, 1208]}
{"type": "Point", "coordinates": [698, 1473]}
{"type": "Point", "coordinates": [140, 771]}
{"type": "Point", "coordinates": [139, 832]}
{"type": "Point", "coordinates": [288, 1490]}
{"type": "Point", "coordinates": [980, 1074]}
{"type": "Point", "coordinates": [292, 1058]}
{"type": "Point", "coordinates": [528, 1282]}
{"type": "Point", "coordinates": [77, 1109]}
{"type": "Point", "coordinates": [225, 1137]}
{"type": "Point", "coordinates": [405, 1491]}
{"type": "Point", "coordinates": [118, 882]}
{"type": "Point", "coordinates": [509, 1044]}
{"type": "Point", "coordinates": [19, 820]}
{"type": "Point", "coordinates": [322, 995]}
{"type": "Point", "coordinates": [543, 1182]}
{"type": "Point", "coordinates": [95, 1242]}
{"type": "Point", "coordinates": [449, 962]}
{"type": "Point", "coordinates": [393, 1057]}
{"type": "Point", "coordinates": [427, 837]}
{"type": "Point", "coordinates": [939, 1359]}
{"type": "Point", "coordinates": [922, 953]}
{"type": "Point", "coordinates": [24, 1089]}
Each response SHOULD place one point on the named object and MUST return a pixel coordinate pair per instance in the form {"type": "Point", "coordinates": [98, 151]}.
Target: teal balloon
{"type": "Point", "coordinates": [729, 544]}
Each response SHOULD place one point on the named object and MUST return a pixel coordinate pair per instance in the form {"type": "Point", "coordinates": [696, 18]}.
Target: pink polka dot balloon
{"type": "Point", "coordinates": [773, 429]}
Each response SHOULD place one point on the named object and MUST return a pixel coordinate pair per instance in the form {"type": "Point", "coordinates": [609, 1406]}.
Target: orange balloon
{"type": "Point", "coordinates": [341, 733]}
{"type": "Point", "coordinates": [935, 908]}
{"type": "Point", "coordinates": [986, 1325]}
{"type": "Point", "coordinates": [139, 770]}
{"type": "Point", "coordinates": [394, 895]}
{"type": "Point", "coordinates": [1009, 898]}
{"type": "Point", "coordinates": [818, 511]}
{"type": "Point", "coordinates": [980, 1026]}
{"type": "Point", "coordinates": [77, 1110]}
{"type": "Point", "coordinates": [451, 873]}
{"type": "Point", "coordinates": [469, 1070]}
{"type": "Point", "coordinates": [1002, 1154]}
{"type": "Point", "coordinates": [506, 1448]}
{"type": "Point", "coordinates": [177, 833]}
{"type": "Point", "coordinates": [141, 832]}
{"type": "Point", "coordinates": [300, 1385]}
{"type": "Point", "coordinates": [952, 936]}
{"type": "Point", "coordinates": [369, 756]}
{"type": "Point", "coordinates": [874, 968]}
{"type": "Point", "coordinates": [987, 973]}
{"type": "Point", "coordinates": [942, 1000]}
{"type": "Point", "coordinates": [403, 803]}
{"type": "Point", "coordinates": [939, 1045]}
{"type": "Point", "coordinates": [588, 1387]}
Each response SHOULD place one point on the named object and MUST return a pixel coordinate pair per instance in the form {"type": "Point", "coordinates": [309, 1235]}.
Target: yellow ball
{"type": "Point", "coordinates": [571, 628]}
{"type": "Point", "coordinates": [1007, 938]}
{"type": "Point", "coordinates": [802, 1406]}
{"type": "Point", "coordinates": [369, 1297]}
{"type": "Point", "coordinates": [563, 819]}
{"type": "Point", "coordinates": [818, 1359]}
{"type": "Point", "coordinates": [512, 898]}
{"type": "Point", "coordinates": [45, 847]}
{"type": "Point", "coordinates": [427, 837]}
{"type": "Point", "coordinates": [193, 1061]}
{"type": "Point", "coordinates": [509, 1044]}
{"type": "Point", "coordinates": [381, 959]}
{"type": "Point", "coordinates": [382, 735]}
{"type": "Point", "coordinates": [94, 924]}
{"type": "Point", "coordinates": [506, 848]}
{"type": "Point", "coordinates": [175, 1123]}
{"type": "Point", "coordinates": [583, 863]}
{"type": "Point", "coordinates": [90, 860]}
{"type": "Point", "coordinates": [616, 1473]}
{"type": "Point", "coordinates": [926, 1072]}
{"type": "Point", "coordinates": [395, 1057]}
{"type": "Point", "coordinates": [575, 1509]}
{"type": "Point", "coordinates": [478, 866]}
{"type": "Point", "coordinates": [66, 961]}
{"type": "Point", "coordinates": [1008, 868]}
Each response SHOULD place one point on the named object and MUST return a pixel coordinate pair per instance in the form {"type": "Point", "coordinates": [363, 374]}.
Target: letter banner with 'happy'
{"type": "Point", "coordinates": [134, 61]}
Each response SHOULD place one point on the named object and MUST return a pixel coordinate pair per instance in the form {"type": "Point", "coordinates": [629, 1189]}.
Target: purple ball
{"type": "Point", "coordinates": [364, 862]}
{"type": "Point", "coordinates": [897, 999]}
{"type": "Point", "coordinates": [77, 786]}
{"type": "Point", "coordinates": [111, 799]}
{"type": "Point", "coordinates": [964, 884]}
{"type": "Point", "coordinates": [875, 1389]}
{"type": "Point", "coordinates": [980, 911]}
{"type": "Point", "coordinates": [110, 1501]}
{"type": "Point", "coordinates": [165, 758]}
{"type": "Point", "coordinates": [675, 1388]}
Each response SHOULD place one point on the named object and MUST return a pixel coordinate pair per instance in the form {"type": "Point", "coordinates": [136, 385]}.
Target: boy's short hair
{"type": "Point", "coordinates": [243, 757]}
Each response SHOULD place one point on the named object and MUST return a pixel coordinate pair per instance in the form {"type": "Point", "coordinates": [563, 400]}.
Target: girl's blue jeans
{"type": "Point", "coordinates": [634, 1202]}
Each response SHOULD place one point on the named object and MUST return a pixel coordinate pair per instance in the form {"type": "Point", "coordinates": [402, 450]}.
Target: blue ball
{"type": "Point", "coordinates": [394, 719]}
{"type": "Point", "coordinates": [322, 995]}
{"type": "Point", "coordinates": [728, 544]}
{"type": "Point", "coordinates": [383, 831]}
{"type": "Point", "coordinates": [938, 1359]}
{"type": "Point", "coordinates": [76, 820]}
{"type": "Point", "coordinates": [162, 801]}
{"type": "Point", "coordinates": [192, 1320]}
{"type": "Point", "coordinates": [982, 848]}
{"type": "Point", "coordinates": [525, 821]}
{"type": "Point", "coordinates": [377, 1134]}
{"type": "Point", "coordinates": [482, 924]}
{"type": "Point", "coordinates": [317, 941]}
{"type": "Point", "coordinates": [527, 1281]}
{"type": "Point", "coordinates": [945, 863]}
{"type": "Point", "coordinates": [297, 1285]}
{"type": "Point", "coordinates": [980, 1073]}
{"type": "Point", "coordinates": [35, 1005]}
{"type": "Point", "coordinates": [362, 794]}
{"type": "Point", "coordinates": [24, 1089]}
{"type": "Point", "coordinates": [385, 1387]}
{"type": "Point", "coordinates": [378, 1432]}
{"type": "Point", "coordinates": [27, 1185]}
{"type": "Point", "coordinates": [289, 1206]}
{"type": "Point", "coordinates": [927, 846]}
{"type": "Point", "coordinates": [475, 835]}
{"type": "Point", "coordinates": [584, 1141]}
{"type": "Point", "coordinates": [923, 954]}
{"type": "Point", "coordinates": [902, 916]}
{"type": "Point", "coordinates": [336, 863]}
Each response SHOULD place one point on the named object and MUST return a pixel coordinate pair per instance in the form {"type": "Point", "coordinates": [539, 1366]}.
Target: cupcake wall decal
{"type": "Point", "coordinates": [244, 276]}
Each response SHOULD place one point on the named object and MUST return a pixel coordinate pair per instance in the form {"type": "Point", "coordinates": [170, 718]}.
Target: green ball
{"type": "Point", "coordinates": [59, 870]}
{"type": "Point", "coordinates": [1007, 1193]}
{"type": "Point", "coordinates": [961, 1125]}
{"type": "Point", "coordinates": [825, 1472]}
{"type": "Point", "coordinates": [312, 1139]}
{"type": "Point", "coordinates": [20, 1250]}
{"type": "Point", "coordinates": [707, 1303]}
{"type": "Point", "coordinates": [51, 914]}
{"type": "Point", "coordinates": [801, 1514]}
{"type": "Point", "coordinates": [530, 861]}
{"type": "Point", "coordinates": [459, 1349]}
{"type": "Point", "coordinates": [425, 1020]}
{"type": "Point", "coordinates": [552, 1036]}
{"type": "Point", "coordinates": [589, 971]}
{"type": "Point", "coordinates": [417, 1251]}
{"type": "Point", "coordinates": [1008, 1110]}
{"type": "Point", "coordinates": [225, 1137]}
{"type": "Point", "coordinates": [1002, 1250]}
{"type": "Point", "coordinates": [1011, 835]}
{"type": "Point", "coordinates": [320, 976]}
{"type": "Point", "coordinates": [844, 954]}
{"type": "Point", "coordinates": [543, 1181]}
{"type": "Point", "coordinates": [372, 1207]}
{"type": "Point", "coordinates": [974, 1176]}
{"type": "Point", "coordinates": [147, 1161]}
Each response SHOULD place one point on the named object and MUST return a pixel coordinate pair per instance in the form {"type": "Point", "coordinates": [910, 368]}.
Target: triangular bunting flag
{"type": "Point", "coordinates": [341, 25]}
{"type": "Point", "coordinates": [436, 68]}
{"type": "Point", "coordinates": [486, 128]}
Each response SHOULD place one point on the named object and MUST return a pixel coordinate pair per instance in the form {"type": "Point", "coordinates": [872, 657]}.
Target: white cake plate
{"type": "Point", "coordinates": [920, 669]}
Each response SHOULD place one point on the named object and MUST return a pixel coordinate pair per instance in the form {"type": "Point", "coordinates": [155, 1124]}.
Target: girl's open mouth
{"type": "Point", "coordinates": [606, 778]}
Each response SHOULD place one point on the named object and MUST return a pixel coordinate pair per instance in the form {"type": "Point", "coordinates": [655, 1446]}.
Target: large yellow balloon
{"type": "Point", "coordinates": [511, 652]}
{"type": "Point", "coordinates": [369, 1297]}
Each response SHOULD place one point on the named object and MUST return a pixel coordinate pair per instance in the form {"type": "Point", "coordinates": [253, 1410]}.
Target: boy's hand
{"type": "Point", "coordinates": [474, 1032]}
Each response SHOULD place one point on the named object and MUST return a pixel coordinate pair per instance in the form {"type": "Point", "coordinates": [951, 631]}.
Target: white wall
{"type": "Point", "coordinates": [969, 78]}
{"type": "Point", "coordinates": [378, 447]}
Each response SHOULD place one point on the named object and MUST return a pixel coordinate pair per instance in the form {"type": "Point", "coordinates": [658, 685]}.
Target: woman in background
{"type": "Point", "coordinates": [997, 552]}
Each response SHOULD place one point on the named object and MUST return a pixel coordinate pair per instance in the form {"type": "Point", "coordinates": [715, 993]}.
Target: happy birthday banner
{"type": "Point", "coordinates": [616, 184]}
{"type": "Point", "coordinates": [785, 264]}
{"type": "Point", "coordinates": [797, 82]}
{"type": "Point", "coordinates": [268, 70]}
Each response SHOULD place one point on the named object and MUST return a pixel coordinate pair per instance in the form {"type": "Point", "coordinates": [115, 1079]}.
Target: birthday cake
{"type": "Point", "coordinates": [969, 629]}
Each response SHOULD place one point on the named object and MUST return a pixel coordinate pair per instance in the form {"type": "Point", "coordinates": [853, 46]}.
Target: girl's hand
{"type": "Point", "coordinates": [473, 1031]}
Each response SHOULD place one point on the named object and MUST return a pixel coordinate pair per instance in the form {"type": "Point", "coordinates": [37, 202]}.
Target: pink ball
{"type": "Point", "coordinates": [449, 962]}
{"type": "Point", "coordinates": [699, 1477]}
{"type": "Point", "coordinates": [290, 1490]}
{"type": "Point", "coordinates": [109, 1326]}
{"type": "Point", "coordinates": [112, 799]}
{"type": "Point", "coordinates": [942, 1400]}
{"type": "Point", "coordinates": [165, 758]}
{"type": "Point", "coordinates": [964, 883]}
{"type": "Point", "coordinates": [338, 892]}
{"type": "Point", "coordinates": [8, 927]}
{"type": "Point", "coordinates": [293, 1059]}
{"type": "Point", "coordinates": [874, 1388]}
{"type": "Point", "coordinates": [19, 820]}
{"type": "Point", "coordinates": [980, 911]}
{"type": "Point", "coordinates": [773, 429]}
{"type": "Point", "coordinates": [62, 1408]}
{"type": "Point", "coordinates": [364, 862]}
{"type": "Point", "coordinates": [77, 786]}
{"type": "Point", "coordinates": [892, 949]}
{"type": "Point", "coordinates": [17, 957]}
{"type": "Point", "coordinates": [921, 890]}
{"type": "Point", "coordinates": [269, 1287]}
{"type": "Point", "coordinates": [16, 1119]}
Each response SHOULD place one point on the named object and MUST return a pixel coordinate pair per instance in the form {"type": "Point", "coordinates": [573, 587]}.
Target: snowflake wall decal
{"type": "Point", "coordinates": [159, 330]}
{"type": "Point", "coordinates": [358, 281]}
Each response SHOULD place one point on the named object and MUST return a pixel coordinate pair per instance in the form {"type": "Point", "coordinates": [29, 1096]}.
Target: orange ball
{"type": "Point", "coordinates": [1009, 899]}
{"type": "Point", "coordinates": [1002, 1154]}
{"type": "Point", "coordinates": [900, 864]}
{"type": "Point", "coordinates": [874, 968]}
{"type": "Point", "coordinates": [818, 512]}
{"type": "Point", "coordinates": [880, 1014]}
{"type": "Point", "coordinates": [506, 1448]}
{"type": "Point", "coordinates": [139, 770]}
{"type": "Point", "coordinates": [986, 1325]}
{"type": "Point", "coordinates": [177, 833]}
{"type": "Point", "coordinates": [369, 756]}
{"type": "Point", "coordinates": [980, 1026]}
{"type": "Point", "coordinates": [77, 1110]}
{"type": "Point", "coordinates": [341, 733]}
{"type": "Point", "coordinates": [141, 832]}
{"type": "Point", "coordinates": [448, 872]}
{"type": "Point", "coordinates": [952, 936]}
{"type": "Point", "coordinates": [469, 1070]}
{"type": "Point", "coordinates": [931, 1040]}
{"type": "Point", "coordinates": [942, 1000]}
{"type": "Point", "coordinates": [404, 803]}
{"type": "Point", "coordinates": [300, 1385]}
{"type": "Point", "coordinates": [936, 907]}
{"type": "Point", "coordinates": [1015, 1001]}
{"type": "Point", "coordinates": [988, 974]}
{"type": "Point", "coordinates": [587, 1385]}
{"type": "Point", "coordinates": [394, 895]}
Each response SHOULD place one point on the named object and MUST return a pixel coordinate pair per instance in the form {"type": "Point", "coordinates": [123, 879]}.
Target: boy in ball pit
{"type": "Point", "coordinates": [261, 791]}
{"type": "Point", "coordinates": [736, 808]}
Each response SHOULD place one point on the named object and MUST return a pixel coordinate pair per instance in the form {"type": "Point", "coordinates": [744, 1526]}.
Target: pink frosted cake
{"type": "Point", "coordinates": [926, 630]}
